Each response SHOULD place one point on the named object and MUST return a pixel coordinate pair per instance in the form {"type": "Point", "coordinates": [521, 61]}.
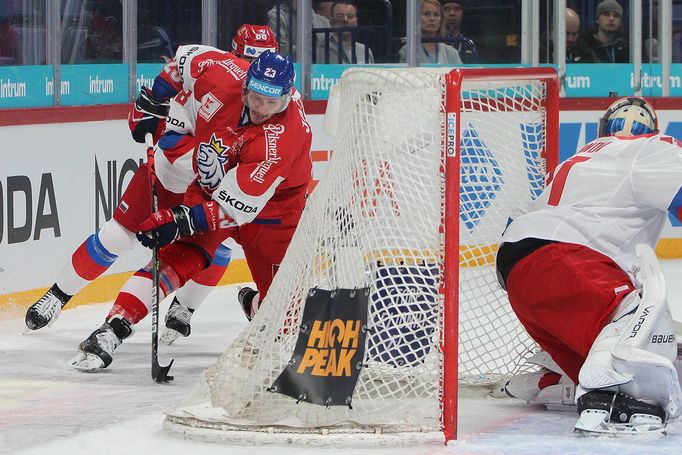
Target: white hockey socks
{"type": "Point", "coordinates": [97, 253]}
{"type": "Point", "coordinates": [526, 386]}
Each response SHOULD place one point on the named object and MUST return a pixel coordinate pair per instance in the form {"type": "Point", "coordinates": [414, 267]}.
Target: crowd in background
{"type": "Point", "coordinates": [351, 31]}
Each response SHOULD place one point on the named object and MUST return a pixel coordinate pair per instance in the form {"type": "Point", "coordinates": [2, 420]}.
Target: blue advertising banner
{"type": "Point", "coordinates": [95, 84]}
{"type": "Point", "coordinates": [581, 80]}
{"type": "Point", "coordinates": [651, 80]}
{"type": "Point", "coordinates": [588, 80]}
{"type": "Point", "coordinates": [146, 73]}
{"type": "Point", "coordinates": [26, 86]}
{"type": "Point", "coordinates": [32, 86]}
{"type": "Point", "coordinates": [323, 78]}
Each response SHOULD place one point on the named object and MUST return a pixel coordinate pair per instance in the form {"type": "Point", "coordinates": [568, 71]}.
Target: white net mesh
{"type": "Point", "coordinates": [374, 221]}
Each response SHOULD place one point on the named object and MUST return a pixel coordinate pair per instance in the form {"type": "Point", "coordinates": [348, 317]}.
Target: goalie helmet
{"type": "Point", "coordinates": [252, 40]}
{"type": "Point", "coordinates": [630, 116]}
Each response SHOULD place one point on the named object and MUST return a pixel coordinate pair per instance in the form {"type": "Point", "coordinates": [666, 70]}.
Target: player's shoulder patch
{"type": "Point", "coordinates": [210, 104]}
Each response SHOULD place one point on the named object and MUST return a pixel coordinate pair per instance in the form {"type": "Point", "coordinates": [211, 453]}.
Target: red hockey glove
{"type": "Point", "coordinates": [147, 115]}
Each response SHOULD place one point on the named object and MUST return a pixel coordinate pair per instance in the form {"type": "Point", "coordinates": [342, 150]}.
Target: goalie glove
{"type": "Point", "coordinates": [168, 225]}
{"type": "Point", "coordinates": [146, 114]}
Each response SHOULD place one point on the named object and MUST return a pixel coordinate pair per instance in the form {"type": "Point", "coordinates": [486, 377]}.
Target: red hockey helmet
{"type": "Point", "coordinates": [252, 40]}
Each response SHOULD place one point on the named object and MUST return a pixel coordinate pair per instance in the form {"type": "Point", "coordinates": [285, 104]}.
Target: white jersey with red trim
{"type": "Point", "coordinates": [173, 156]}
{"type": "Point", "coordinates": [611, 195]}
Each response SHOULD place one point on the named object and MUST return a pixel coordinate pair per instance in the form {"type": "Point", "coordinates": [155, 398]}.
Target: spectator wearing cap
{"type": "Point", "coordinates": [346, 49]}
{"type": "Point", "coordinates": [453, 13]}
{"type": "Point", "coordinates": [607, 42]}
{"type": "Point", "coordinates": [433, 51]}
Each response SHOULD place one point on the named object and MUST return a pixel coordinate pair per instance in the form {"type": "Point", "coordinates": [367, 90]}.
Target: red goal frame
{"type": "Point", "coordinates": [454, 81]}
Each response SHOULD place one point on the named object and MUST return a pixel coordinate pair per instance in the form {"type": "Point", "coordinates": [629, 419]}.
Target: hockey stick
{"type": "Point", "coordinates": [159, 373]}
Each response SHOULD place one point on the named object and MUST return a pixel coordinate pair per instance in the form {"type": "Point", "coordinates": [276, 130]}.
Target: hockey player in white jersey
{"type": "Point", "coordinates": [600, 311]}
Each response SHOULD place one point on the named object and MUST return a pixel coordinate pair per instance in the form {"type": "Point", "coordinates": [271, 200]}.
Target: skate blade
{"type": "Point", "coordinates": [595, 423]}
{"type": "Point", "coordinates": [86, 362]}
{"type": "Point", "coordinates": [168, 336]}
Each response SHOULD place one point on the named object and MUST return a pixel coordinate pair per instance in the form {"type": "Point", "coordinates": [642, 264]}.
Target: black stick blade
{"type": "Point", "coordinates": [159, 373]}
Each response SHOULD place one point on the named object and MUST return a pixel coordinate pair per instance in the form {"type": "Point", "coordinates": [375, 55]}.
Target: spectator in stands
{"type": "Point", "coordinates": [323, 9]}
{"type": "Point", "coordinates": [153, 42]}
{"type": "Point", "coordinates": [577, 51]}
{"type": "Point", "coordinates": [8, 41]}
{"type": "Point", "coordinates": [347, 50]}
{"type": "Point", "coordinates": [607, 42]}
{"type": "Point", "coordinates": [650, 50]}
{"type": "Point", "coordinates": [433, 51]}
{"type": "Point", "coordinates": [105, 37]}
{"type": "Point", "coordinates": [453, 13]}
{"type": "Point", "coordinates": [282, 20]}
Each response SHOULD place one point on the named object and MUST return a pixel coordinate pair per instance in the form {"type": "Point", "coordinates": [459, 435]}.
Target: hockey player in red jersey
{"type": "Point", "coordinates": [601, 311]}
{"type": "Point", "coordinates": [169, 112]}
{"type": "Point", "coordinates": [252, 158]}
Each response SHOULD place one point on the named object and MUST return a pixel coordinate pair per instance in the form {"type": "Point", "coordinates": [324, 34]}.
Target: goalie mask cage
{"type": "Point", "coordinates": [428, 165]}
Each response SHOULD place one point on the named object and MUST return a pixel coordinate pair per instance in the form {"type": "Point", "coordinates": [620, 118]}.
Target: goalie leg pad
{"type": "Point", "coordinates": [597, 372]}
{"type": "Point", "coordinates": [642, 347]}
{"type": "Point", "coordinates": [648, 347]}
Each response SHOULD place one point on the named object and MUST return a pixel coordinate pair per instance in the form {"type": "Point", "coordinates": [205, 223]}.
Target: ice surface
{"type": "Point", "coordinates": [47, 408]}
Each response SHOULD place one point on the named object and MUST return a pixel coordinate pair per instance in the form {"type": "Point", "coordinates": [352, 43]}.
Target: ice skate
{"type": "Point", "coordinates": [557, 393]}
{"type": "Point", "coordinates": [97, 350]}
{"type": "Point", "coordinates": [46, 310]}
{"type": "Point", "coordinates": [614, 414]}
{"type": "Point", "coordinates": [246, 298]}
{"type": "Point", "coordinates": [177, 322]}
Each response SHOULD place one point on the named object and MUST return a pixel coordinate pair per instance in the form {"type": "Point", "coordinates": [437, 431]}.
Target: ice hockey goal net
{"type": "Point", "coordinates": [390, 277]}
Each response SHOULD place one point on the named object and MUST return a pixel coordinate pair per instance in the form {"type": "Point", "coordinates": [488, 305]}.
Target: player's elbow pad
{"type": "Point", "coordinates": [241, 207]}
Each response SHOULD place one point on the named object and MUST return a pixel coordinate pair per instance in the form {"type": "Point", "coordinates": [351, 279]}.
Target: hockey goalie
{"type": "Point", "coordinates": [600, 313]}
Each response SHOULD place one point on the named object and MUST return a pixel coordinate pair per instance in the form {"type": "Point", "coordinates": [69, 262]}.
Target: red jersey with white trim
{"type": "Point", "coordinates": [274, 167]}
{"type": "Point", "coordinates": [611, 195]}
{"type": "Point", "coordinates": [254, 170]}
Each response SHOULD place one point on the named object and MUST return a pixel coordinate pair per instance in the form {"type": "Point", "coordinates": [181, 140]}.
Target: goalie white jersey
{"type": "Point", "coordinates": [611, 195]}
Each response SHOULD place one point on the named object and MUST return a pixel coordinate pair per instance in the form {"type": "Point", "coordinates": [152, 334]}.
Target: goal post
{"type": "Point", "coordinates": [459, 101]}
{"type": "Point", "coordinates": [387, 297]}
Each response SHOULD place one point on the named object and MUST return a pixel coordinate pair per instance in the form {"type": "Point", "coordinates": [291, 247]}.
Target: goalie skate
{"type": "Point", "coordinates": [615, 414]}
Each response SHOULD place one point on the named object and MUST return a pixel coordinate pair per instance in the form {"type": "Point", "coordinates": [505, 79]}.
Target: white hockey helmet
{"type": "Point", "coordinates": [629, 116]}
